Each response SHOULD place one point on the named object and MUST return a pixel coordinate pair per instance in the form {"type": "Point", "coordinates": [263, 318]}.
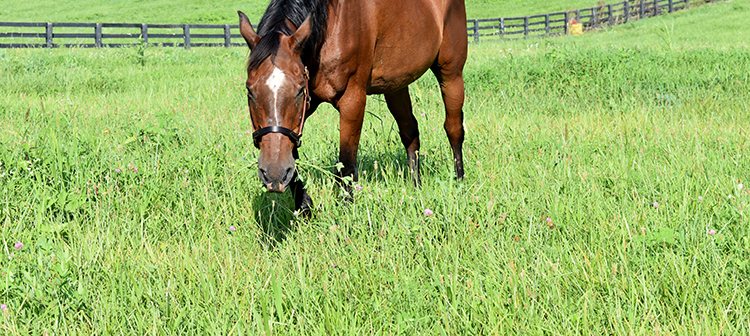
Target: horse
{"type": "Point", "coordinates": [307, 52]}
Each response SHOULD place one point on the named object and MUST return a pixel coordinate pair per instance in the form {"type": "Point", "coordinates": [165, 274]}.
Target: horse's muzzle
{"type": "Point", "coordinates": [276, 162]}
{"type": "Point", "coordinates": [278, 179]}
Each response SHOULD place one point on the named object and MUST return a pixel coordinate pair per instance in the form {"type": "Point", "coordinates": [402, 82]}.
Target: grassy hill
{"type": "Point", "coordinates": [713, 26]}
{"type": "Point", "coordinates": [221, 11]}
{"type": "Point", "coordinates": [607, 179]}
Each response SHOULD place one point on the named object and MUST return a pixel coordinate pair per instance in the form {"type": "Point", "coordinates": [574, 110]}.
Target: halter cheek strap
{"type": "Point", "coordinates": [293, 136]}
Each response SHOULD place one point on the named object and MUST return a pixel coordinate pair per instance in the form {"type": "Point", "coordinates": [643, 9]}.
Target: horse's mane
{"type": "Point", "coordinates": [273, 24]}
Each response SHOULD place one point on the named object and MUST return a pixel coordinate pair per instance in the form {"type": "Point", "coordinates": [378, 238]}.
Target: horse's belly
{"type": "Point", "coordinates": [405, 47]}
{"type": "Point", "coordinates": [391, 70]}
{"type": "Point", "coordinates": [385, 83]}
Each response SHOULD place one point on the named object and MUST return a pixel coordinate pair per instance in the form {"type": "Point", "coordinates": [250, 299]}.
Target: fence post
{"type": "Point", "coordinates": [476, 30]}
{"type": "Point", "coordinates": [627, 10]}
{"type": "Point", "coordinates": [227, 37]}
{"type": "Point", "coordinates": [502, 28]}
{"type": "Point", "coordinates": [526, 26]}
{"type": "Point", "coordinates": [594, 18]}
{"type": "Point", "coordinates": [611, 18]}
{"type": "Point", "coordinates": [567, 22]}
{"type": "Point", "coordinates": [49, 34]}
{"type": "Point", "coordinates": [186, 32]}
{"type": "Point", "coordinates": [144, 32]}
{"type": "Point", "coordinates": [656, 7]}
{"type": "Point", "coordinates": [643, 9]}
{"type": "Point", "coordinates": [98, 35]}
{"type": "Point", "coordinates": [671, 6]}
{"type": "Point", "coordinates": [546, 23]}
{"type": "Point", "coordinates": [687, 4]}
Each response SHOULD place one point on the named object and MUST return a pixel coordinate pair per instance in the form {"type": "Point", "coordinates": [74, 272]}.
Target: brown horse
{"type": "Point", "coordinates": [339, 51]}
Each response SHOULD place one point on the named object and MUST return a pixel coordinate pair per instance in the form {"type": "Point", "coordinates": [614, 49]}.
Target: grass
{"type": "Point", "coordinates": [201, 12]}
{"type": "Point", "coordinates": [685, 29]}
{"type": "Point", "coordinates": [224, 11]}
{"type": "Point", "coordinates": [122, 175]}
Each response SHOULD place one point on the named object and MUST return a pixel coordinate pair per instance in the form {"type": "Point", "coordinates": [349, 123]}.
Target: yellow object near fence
{"type": "Point", "coordinates": [576, 29]}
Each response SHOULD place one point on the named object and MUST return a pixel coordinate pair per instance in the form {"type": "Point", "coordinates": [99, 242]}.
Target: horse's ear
{"type": "Point", "coordinates": [246, 29]}
{"type": "Point", "coordinates": [300, 36]}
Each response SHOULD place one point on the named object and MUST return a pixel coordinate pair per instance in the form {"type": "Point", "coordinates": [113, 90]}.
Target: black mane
{"type": "Point", "coordinates": [273, 24]}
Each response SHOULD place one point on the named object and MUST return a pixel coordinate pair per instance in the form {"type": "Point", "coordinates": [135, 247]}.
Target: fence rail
{"type": "Point", "coordinates": [558, 23]}
{"type": "Point", "coordinates": [52, 35]}
{"type": "Point", "coordinates": [57, 34]}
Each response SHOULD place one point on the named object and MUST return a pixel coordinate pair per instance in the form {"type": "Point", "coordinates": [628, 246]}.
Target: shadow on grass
{"type": "Point", "coordinates": [275, 212]}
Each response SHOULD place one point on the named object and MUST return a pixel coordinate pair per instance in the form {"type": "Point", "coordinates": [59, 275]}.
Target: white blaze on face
{"type": "Point", "coordinates": [274, 82]}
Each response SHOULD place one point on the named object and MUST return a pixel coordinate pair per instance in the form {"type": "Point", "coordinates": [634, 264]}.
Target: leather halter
{"type": "Point", "coordinates": [293, 136]}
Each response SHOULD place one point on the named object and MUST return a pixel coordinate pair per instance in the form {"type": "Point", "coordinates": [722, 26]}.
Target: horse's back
{"type": "Point", "coordinates": [385, 43]}
{"type": "Point", "coordinates": [409, 37]}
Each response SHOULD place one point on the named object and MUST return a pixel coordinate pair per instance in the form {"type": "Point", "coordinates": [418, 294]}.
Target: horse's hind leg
{"type": "Point", "coordinates": [399, 103]}
{"type": "Point", "coordinates": [448, 69]}
{"type": "Point", "coordinates": [452, 87]}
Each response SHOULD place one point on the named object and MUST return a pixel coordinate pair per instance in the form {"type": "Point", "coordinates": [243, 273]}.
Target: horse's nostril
{"type": "Point", "coordinates": [288, 175]}
{"type": "Point", "coordinates": [263, 175]}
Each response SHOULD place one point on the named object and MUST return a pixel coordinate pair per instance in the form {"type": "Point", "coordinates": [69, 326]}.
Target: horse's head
{"type": "Point", "coordinates": [277, 97]}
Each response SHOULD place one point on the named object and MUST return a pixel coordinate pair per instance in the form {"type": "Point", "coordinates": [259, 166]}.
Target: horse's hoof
{"type": "Point", "coordinates": [304, 210]}
{"type": "Point", "coordinates": [348, 198]}
{"type": "Point", "coordinates": [304, 213]}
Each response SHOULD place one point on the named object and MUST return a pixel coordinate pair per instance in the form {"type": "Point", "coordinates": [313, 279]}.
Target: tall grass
{"type": "Point", "coordinates": [605, 194]}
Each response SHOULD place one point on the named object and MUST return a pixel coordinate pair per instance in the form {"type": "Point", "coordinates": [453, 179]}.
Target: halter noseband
{"type": "Point", "coordinates": [293, 136]}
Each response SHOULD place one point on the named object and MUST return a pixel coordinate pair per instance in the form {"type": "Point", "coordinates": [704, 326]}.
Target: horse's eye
{"type": "Point", "coordinates": [250, 93]}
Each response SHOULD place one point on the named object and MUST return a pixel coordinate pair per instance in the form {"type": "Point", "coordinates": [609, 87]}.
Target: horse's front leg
{"type": "Point", "coordinates": [351, 108]}
{"type": "Point", "coordinates": [302, 201]}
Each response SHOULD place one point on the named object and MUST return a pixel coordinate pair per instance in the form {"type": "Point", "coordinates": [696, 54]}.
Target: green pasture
{"type": "Point", "coordinates": [224, 11]}
{"type": "Point", "coordinates": [606, 189]}
{"type": "Point", "coordinates": [200, 12]}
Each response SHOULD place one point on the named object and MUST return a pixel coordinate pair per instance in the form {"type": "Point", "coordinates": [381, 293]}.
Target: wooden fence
{"type": "Point", "coordinates": [558, 23]}
{"type": "Point", "coordinates": [116, 35]}
{"type": "Point", "coordinates": [52, 35]}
